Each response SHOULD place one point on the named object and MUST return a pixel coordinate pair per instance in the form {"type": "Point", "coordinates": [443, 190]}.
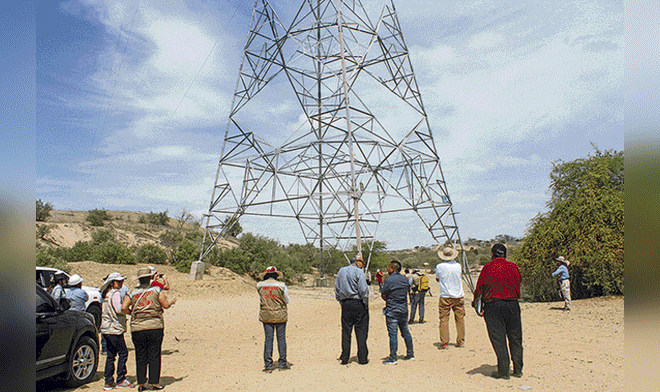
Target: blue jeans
{"type": "Point", "coordinates": [116, 347]}
{"type": "Point", "coordinates": [400, 322]}
{"type": "Point", "coordinates": [269, 331]}
{"type": "Point", "coordinates": [416, 299]}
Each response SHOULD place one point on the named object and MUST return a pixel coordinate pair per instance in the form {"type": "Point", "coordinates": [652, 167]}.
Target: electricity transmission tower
{"type": "Point", "coordinates": [362, 146]}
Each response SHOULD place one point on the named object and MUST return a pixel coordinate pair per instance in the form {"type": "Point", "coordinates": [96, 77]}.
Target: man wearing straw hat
{"type": "Point", "coordinates": [561, 273]}
{"type": "Point", "coordinates": [273, 299]}
{"type": "Point", "coordinates": [448, 275]}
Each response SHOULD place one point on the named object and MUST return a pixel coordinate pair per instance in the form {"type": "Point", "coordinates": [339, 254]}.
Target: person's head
{"type": "Point", "coordinates": [407, 270]}
{"type": "Point", "coordinates": [144, 275]}
{"type": "Point", "coordinates": [75, 280]}
{"type": "Point", "coordinates": [447, 253]}
{"type": "Point", "coordinates": [498, 250]}
{"type": "Point", "coordinates": [114, 280]}
{"type": "Point", "coordinates": [270, 272]}
{"type": "Point", "coordinates": [358, 261]}
{"type": "Point", "coordinates": [394, 267]}
{"type": "Point", "coordinates": [562, 260]}
{"type": "Point", "coordinates": [60, 278]}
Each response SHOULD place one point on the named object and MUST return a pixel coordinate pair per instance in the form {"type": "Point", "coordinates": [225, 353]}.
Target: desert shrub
{"type": "Point", "coordinates": [585, 224]}
{"type": "Point", "coordinates": [186, 253]}
{"type": "Point", "coordinates": [151, 254]}
{"type": "Point", "coordinates": [114, 253]}
{"type": "Point", "coordinates": [46, 258]}
{"type": "Point", "coordinates": [97, 217]}
{"type": "Point", "coordinates": [142, 219]}
{"type": "Point", "coordinates": [43, 210]}
{"type": "Point", "coordinates": [102, 236]}
{"type": "Point", "coordinates": [42, 231]}
{"type": "Point", "coordinates": [158, 218]}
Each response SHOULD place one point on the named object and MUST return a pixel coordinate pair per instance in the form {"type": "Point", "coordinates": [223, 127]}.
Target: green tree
{"type": "Point", "coordinates": [151, 254]}
{"type": "Point", "coordinates": [584, 224]}
{"type": "Point", "coordinates": [97, 217]}
{"type": "Point", "coordinates": [231, 226]}
{"type": "Point", "coordinates": [43, 210]}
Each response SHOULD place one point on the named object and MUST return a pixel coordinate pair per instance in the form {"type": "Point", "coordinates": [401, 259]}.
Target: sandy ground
{"type": "Point", "coordinates": [214, 342]}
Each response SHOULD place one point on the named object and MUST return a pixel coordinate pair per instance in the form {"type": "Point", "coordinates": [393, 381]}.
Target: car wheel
{"type": "Point", "coordinates": [83, 362]}
{"type": "Point", "coordinates": [95, 311]}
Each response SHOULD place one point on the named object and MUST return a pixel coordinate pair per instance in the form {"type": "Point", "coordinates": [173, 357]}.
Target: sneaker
{"type": "Point", "coordinates": [517, 374]}
{"type": "Point", "coordinates": [286, 366]}
{"type": "Point", "coordinates": [409, 358]}
{"type": "Point", "coordinates": [125, 384]}
{"type": "Point", "coordinates": [497, 374]}
{"type": "Point", "coordinates": [108, 387]}
{"type": "Point", "coordinates": [390, 361]}
{"type": "Point", "coordinates": [442, 347]}
{"type": "Point", "coordinates": [267, 370]}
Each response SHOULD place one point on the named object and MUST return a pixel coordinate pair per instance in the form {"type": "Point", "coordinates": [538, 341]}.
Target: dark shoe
{"type": "Point", "coordinates": [267, 370]}
{"type": "Point", "coordinates": [286, 366]}
{"type": "Point", "coordinates": [517, 374]}
{"type": "Point", "coordinates": [411, 322]}
{"type": "Point", "coordinates": [390, 361]}
{"type": "Point", "coordinates": [142, 388]}
{"type": "Point", "coordinates": [460, 345]}
{"type": "Point", "coordinates": [497, 374]}
{"type": "Point", "coordinates": [363, 363]}
{"type": "Point", "coordinates": [421, 321]}
{"type": "Point", "coordinates": [157, 387]}
{"type": "Point", "coordinates": [409, 358]}
{"type": "Point", "coordinates": [343, 363]}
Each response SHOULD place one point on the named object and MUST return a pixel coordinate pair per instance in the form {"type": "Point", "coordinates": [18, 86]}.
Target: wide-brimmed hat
{"type": "Point", "coordinates": [561, 259]}
{"type": "Point", "coordinates": [271, 270]}
{"type": "Point", "coordinates": [447, 253]}
{"type": "Point", "coordinates": [75, 279]}
{"type": "Point", "coordinates": [154, 271]}
{"type": "Point", "coordinates": [144, 272]}
{"type": "Point", "coordinates": [111, 278]}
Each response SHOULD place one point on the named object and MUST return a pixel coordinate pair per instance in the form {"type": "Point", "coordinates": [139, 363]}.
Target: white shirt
{"type": "Point", "coordinates": [448, 274]}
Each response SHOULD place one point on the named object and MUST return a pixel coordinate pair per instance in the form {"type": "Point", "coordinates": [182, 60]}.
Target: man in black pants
{"type": "Point", "coordinates": [499, 288]}
{"type": "Point", "coordinates": [352, 291]}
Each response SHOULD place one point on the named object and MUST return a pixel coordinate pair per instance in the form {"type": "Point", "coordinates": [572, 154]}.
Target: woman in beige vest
{"type": "Point", "coordinates": [145, 304]}
{"type": "Point", "coordinates": [113, 326]}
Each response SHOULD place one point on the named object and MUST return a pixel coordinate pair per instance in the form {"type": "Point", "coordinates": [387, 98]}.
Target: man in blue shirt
{"type": "Point", "coordinates": [395, 293]}
{"type": "Point", "coordinates": [352, 291]}
{"type": "Point", "coordinates": [561, 273]}
{"type": "Point", "coordinates": [77, 296]}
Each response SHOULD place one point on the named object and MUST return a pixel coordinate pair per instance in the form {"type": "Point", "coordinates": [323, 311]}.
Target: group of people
{"type": "Point", "coordinates": [76, 298]}
{"type": "Point", "coordinates": [145, 305]}
{"type": "Point", "coordinates": [498, 288]}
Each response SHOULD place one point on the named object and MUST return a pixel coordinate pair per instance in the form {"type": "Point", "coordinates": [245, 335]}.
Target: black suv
{"type": "Point", "coordinates": [67, 342]}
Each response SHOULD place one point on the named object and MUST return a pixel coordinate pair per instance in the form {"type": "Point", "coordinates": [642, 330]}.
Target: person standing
{"type": "Point", "coordinates": [77, 296]}
{"type": "Point", "coordinates": [58, 292]}
{"type": "Point", "coordinates": [380, 278]}
{"type": "Point", "coordinates": [123, 291]}
{"type": "Point", "coordinates": [395, 293]}
{"type": "Point", "coordinates": [498, 287]}
{"type": "Point", "coordinates": [419, 285]}
{"type": "Point", "coordinates": [561, 273]}
{"type": "Point", "coordinates": [113, 327]}
{"type": "Point", "coordinates": [352, 292]}
{"type": "Point", "coordinates": [146, 304]}
{"type": "Point", "coordinates": [273, 300]}
{"type": "Point", "coordinates": [164, 285]}
{"type": "Point", "coordinates": [448, 275]}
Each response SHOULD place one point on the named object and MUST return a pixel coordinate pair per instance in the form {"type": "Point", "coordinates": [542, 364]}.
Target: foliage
{"type": "Point", "coordinates": [114, 253]}
{"type": "Point", "coordinates": [184, 216]}
{"type": "Point", "coordinates": [45, 258]}
{"type": "Point", "coordinates": [231, 226]}
{"type": "Point", "coordinates": [151, 254]}
{"type": "Point", "coordinates": [42, 231]}
{"type": "Point", "coordinates": [585, 224]}
{"type": "Point", "coordinates": [97, 217]}
{"type": "Point", "coordinates": [186, 253]}
{"type": "Point", "coordinates": [43, 210]}
{"type": "Point", "coordinates": [100, 237]}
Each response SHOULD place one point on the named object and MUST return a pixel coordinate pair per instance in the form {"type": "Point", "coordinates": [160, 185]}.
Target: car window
{"type": "Point", "coordinates": [43, 304]}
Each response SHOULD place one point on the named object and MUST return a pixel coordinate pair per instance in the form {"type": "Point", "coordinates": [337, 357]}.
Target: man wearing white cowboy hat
{"type": "Point", "coordinates": [77, 296]}
{"type": "Point", "coordinates": [448, 275]}
{"type": "Point", "coordinates": [273, 300]}
{"type": "Point", "coordinates": [561, 273]}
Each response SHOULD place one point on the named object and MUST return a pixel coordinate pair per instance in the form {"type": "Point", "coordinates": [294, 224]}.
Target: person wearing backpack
{"type": "Point", "coordinates": [419, 285]}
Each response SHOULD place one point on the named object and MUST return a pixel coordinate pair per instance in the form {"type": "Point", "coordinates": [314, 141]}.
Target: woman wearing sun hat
{"type": "Point", "coordinates": [146, 304]}
{"type": "Point", "coordinates": [273, 300]}
{"type": "Point", "coordinates": [561, 273]}
{"type": "Point", "coordinates": [113, 327]}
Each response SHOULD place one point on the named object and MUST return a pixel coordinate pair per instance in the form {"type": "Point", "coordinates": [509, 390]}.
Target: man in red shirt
{"type": "Point", "coordinates": [499, 288]}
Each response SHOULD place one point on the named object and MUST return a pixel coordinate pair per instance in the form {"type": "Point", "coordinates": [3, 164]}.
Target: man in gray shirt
{"type": "Point", "coordinates": [352, 291]}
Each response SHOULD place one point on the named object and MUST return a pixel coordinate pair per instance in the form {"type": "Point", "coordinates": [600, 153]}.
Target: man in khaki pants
{"type": "Point", "coordinates": [448, 275]}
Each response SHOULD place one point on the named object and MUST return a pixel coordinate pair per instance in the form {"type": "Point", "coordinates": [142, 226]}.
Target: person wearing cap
{"type": "Point", "coordinates": [273, 300]}
{"type": "Point", "coordinates": [448, 275]}
{"type": "Point", "coordinates": [352, 292]}
{"type": "Point", "coordinates": [561, 273]}
{"type": "Point", "coordinates": [77, 296]}
{"type": "Point", "coordinates": [113, 327]}
{"type": "Point", "coordinates": [58, 293]}
{"type": "Point", "coordinates": [146, 305]}
{"type": "Point", "coordinates": [395, 293]}
{"type": "Point", "coordinates": [499, 288]}
{"type": "Point", "coordinates": [416, 297]}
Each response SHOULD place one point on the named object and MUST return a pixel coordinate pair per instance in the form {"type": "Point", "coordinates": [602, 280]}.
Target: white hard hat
{"type": "Point", "coordinates": [75, 279]}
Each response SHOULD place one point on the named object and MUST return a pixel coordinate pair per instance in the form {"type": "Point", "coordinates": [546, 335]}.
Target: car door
{"type": "Point", "coordinates": [54, 332]}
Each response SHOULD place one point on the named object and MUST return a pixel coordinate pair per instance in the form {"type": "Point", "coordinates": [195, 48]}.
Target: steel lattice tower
{"type": "Point", "coordinates": [346, 164]}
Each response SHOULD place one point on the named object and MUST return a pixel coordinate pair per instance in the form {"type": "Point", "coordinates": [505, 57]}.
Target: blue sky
{"type": "Point", "coordinates": [509, 87]}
